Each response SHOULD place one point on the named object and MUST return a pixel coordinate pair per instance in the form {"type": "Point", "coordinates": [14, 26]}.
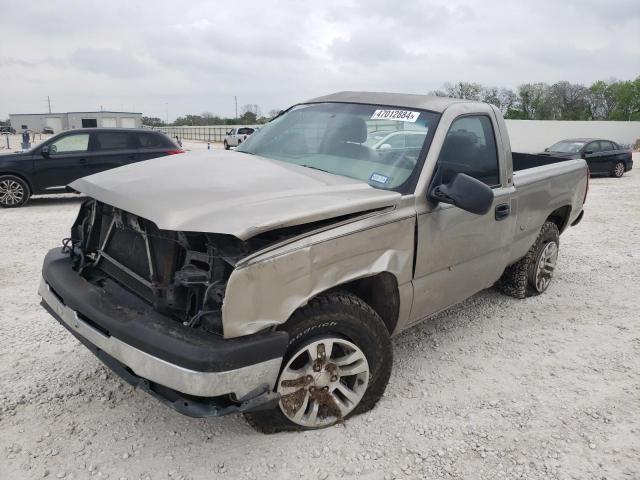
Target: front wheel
{"type": "Point", "coordinates": [337, 364]}
{"type": "Point", "coordinates": [226, 145]}
{"type": "Point", "coordinates": [618, 170]}
{"type": "Point", "coordinates": [14, 192]}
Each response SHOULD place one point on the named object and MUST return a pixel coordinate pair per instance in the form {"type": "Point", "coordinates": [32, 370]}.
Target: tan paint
{"type": "Point", "coordinates": [266, 291]}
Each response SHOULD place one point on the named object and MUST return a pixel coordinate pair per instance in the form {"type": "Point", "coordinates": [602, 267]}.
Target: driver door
{"type": "Point", "coordinates": [460, 253]}
{"type": "Point", "coordinates": [67, 161]}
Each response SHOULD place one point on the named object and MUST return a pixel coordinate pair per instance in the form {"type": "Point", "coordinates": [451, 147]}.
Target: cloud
{"type": "Point", "coordinates": [198, 56]}
{"type": "Point", "coordinates": [110, 62]}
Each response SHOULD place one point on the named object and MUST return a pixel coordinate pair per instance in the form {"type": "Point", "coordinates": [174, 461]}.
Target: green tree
{"type": "Point", "coordinates": [627, 98]}
{"type": "Point", "coordinates": [152, 121]}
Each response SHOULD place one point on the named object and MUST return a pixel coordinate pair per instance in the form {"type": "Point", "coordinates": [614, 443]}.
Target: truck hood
{"type": "Point", "coordinates": [230, 193]}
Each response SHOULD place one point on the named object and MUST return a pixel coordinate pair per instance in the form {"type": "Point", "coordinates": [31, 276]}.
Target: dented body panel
{"type": "Point", "coordinates": [380, 243]}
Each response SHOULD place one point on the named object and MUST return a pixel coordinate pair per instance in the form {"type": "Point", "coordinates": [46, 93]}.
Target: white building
{"type": "Point", "coordinates": [58, 122]}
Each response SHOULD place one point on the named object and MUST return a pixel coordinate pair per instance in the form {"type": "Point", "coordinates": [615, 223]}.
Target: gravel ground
{"type": "Point", "coordinates": [547, 387]}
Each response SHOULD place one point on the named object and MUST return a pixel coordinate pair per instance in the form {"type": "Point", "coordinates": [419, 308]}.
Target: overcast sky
{"type": "Point", "coordinates": [196, 56]}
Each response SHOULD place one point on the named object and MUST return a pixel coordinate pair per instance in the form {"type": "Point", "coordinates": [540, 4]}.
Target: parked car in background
{"type": "Point", "coordinates": [236, 136]}
{"type": "Point", "coordinates": [604, 157]}
{"type": "Point", "coordinates": [48, 130]}
{"type": "Point", "coordinates": [7, 130]}
{"type": "Point", "coordinates": [51, 165]}
{"type": "Point", "coordinates": [270, 280]}
{"type": "Point", "coordinates": [384, 139]}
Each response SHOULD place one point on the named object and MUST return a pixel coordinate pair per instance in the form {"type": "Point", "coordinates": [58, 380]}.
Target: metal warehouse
{"type": "Point", "coordinates": [37, 122]}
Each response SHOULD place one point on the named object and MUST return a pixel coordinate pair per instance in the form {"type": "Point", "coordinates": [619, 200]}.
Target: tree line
{"type": "Point", "coordinates": [602, 100]}
{"type": "Point", "coordinates": [250, 114]}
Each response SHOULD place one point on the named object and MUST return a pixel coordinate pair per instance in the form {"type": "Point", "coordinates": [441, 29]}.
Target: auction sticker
{"type": "Point", "coordinates": [400, 115]}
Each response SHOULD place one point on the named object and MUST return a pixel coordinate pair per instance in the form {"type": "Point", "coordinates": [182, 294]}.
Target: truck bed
{"type": "Point", "coordinates": [522, 161]}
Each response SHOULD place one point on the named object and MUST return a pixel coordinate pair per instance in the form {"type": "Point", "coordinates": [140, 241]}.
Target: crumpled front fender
{"type": "Point", "coordinates": [265, 291]}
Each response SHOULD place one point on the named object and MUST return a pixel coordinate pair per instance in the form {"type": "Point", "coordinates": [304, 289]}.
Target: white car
{"type": "Point", "coordinates": [236, 136]}
{"type": "Point", "coordinates": [384, 139]}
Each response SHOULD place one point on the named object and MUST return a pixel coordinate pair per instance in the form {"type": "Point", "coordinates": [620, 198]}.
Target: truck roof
{"type": "Point", "coordinates": [406, 100]}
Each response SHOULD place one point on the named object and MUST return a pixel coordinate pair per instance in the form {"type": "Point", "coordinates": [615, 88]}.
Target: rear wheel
{"type": "Point", "coordinates": [532, 274]}
{"type": "Point", "coordinates": [618, 170]}
{"type": "Point", "coordinates": [14, 192]}
{"type": "Point", "coordinates": [337, 364]}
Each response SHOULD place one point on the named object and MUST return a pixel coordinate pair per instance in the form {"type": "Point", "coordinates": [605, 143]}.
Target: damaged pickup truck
{"type": "Point", "coordinates": [270, 280]}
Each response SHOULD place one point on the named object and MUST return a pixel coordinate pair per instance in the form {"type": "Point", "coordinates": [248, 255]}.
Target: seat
{"type": "Point", "coordinates": [345, 138]}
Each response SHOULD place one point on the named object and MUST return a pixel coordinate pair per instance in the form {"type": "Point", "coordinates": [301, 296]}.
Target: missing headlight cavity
{"type": "Point", "coordinates": [182, 274]}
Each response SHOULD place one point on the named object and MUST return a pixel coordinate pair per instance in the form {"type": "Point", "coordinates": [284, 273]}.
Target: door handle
{"type": "Point", "coordinates": [130, 157]}
{"type": "Point", "coordinates": [83, 160]}
{"type": "Point", "coordinates": [502, 211]}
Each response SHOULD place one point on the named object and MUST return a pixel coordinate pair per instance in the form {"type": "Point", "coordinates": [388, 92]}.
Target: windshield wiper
{"type": "Point", "coordinates": [317, 168]}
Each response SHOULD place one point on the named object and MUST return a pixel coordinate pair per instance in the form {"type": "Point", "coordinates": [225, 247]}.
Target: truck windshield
{"type": "Point", "coordinates": [376, 144]}
{"type": "Point", "coordinates": [566, 147]}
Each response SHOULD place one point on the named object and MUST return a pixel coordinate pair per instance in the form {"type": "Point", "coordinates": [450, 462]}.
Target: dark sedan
{"type": "Point", "coordinates": [50, 166]}
{"type": "Point", "coordinates": [604, 157]}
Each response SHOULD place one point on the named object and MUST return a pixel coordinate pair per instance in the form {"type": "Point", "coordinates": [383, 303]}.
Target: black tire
{"type": "Point", "coordinates": [342, 314]}
{"type": "Point", "coordinates": [17, 185]}
{"type": "Point", "coordinates": [618, 170]}
{"type": "Point", "coordinates": [226, 145]}
{"type": "Point", "coordinates": [518, 280]}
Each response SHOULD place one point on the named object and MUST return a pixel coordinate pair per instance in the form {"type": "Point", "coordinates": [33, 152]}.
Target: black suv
{"type": "Point", "coordinates": [50, 166]}
{"type": "Point", "coordinates": [6, 129]}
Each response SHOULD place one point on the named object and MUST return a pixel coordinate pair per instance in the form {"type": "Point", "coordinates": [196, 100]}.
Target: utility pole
{"type": "Point", "coordinates": [49, 102]}
{"type": "Point", "coordinates": [166, 106]}
{"type": "Point", "coordinates": [236, 98]}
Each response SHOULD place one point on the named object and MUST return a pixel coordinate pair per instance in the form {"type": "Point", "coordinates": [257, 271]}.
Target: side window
{"type": "Point", "coordinates": [593, 147]}
{"type": "Point", "coordinates": [70, 143]}
{"type": "Point", "coordinates": [112, 141]}
{"type": "Point", "coordinates": [232, 131]}
{"type": "Point", "coordinates": [470, 148]}
{"type": "Point", "coordinates": [243, 131]}
{"type": "Point", "coordinates": [606, 146]}
{"type": "Point", "coordinates": [148, 140]}
{"type": "Point", "coordinates": [395, 140]}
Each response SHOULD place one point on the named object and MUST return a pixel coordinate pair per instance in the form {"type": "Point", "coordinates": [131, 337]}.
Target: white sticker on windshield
{"type": "Point", "coordinates": [400, 115]}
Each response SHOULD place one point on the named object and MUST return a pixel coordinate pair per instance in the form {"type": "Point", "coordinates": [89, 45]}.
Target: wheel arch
{"type": "Point", "coordinates": [380, 292]}
{"type": "Point", "coordinates": [560, 216]}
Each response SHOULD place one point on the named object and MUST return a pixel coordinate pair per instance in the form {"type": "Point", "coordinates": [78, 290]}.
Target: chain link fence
{"type": "Point", "coordinates": [209, 133]}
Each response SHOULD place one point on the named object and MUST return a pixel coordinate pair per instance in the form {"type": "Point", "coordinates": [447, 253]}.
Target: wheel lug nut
{"type": "Point", "coordinates": [334, 378]}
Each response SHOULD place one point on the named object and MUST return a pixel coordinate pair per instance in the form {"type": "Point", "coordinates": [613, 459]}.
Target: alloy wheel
{"type": "Point", "coordinates": [11, 192]}
{"type": "Point", "coordinates": [618, 170]}
{"type": "Point", "coordinates": [546, 266]}
{"type": "Point", "coordinates": [323, 382]}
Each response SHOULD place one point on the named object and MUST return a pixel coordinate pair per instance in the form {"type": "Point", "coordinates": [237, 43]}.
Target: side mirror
{"type": "Point", "coordinates": [466, 193]}
{"type": "Point", "coordinates": [385, 146]}
{"type": "Point", "coordinates": [45, 151]}
{"type": "Point", "coordinates": [546, 149]}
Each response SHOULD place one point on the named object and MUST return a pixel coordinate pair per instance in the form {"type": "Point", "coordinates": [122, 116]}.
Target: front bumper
{"type": "Point", "coordinates": [150, 350]}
